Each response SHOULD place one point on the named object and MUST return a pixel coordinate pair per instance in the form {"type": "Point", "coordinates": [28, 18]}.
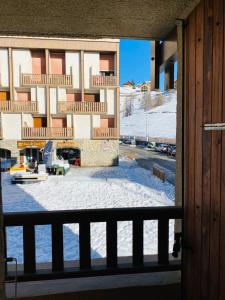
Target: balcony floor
{"type": "Point", "coordinates": [163, 285]}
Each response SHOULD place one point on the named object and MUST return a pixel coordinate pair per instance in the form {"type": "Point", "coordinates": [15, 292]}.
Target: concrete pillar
{"type": "Point", "coordinates": [47, 90]}
{"type": "Point", "coordinates": [155, 64]}
{"type": "Point", "coordinates": [10, 64]}
{"type": "Point", "coordinates": [169, 76]}
{"type": "Point", "coordinates": [82, 74]}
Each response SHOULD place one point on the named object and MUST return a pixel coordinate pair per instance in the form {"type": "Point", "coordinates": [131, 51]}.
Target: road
{"type": "Point", "coordinates": [147, 158]}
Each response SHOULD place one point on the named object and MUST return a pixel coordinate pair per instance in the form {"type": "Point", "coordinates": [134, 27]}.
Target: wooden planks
{"type": "Point", "coordinates": [204, 260]}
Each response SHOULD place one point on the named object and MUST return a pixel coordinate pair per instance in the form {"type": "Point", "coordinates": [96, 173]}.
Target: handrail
{"type": "Point", "coordinates": [82, 107]}
{"type": "Point", "coordinates": [105, 133]}
{"type": "Point", "coordinates": [104, 81]}
{"type": "Point", "coordinates": [46, 79]}
{"type": "Point", "coordinates": [18, 106]}
{"type": "Point", "coordinates": [28, 220]}
{"type": "Point", "coordinates": [47, 133]}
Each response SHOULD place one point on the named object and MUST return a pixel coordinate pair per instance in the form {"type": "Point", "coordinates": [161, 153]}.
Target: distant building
{"type": "Point", "coordinates": [64, 90]}
{"type": "Point", "coordinates": [145, 86]}
{"type": "Point", "coordinates": [128, 84]}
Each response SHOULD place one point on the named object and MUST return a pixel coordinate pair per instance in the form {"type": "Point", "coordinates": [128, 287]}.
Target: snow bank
{"type": "Point", "coordinates": [158, 122]}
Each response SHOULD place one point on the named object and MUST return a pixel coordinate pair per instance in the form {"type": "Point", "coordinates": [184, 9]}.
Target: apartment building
{"type": "Point", "coordinates": [64, 90]}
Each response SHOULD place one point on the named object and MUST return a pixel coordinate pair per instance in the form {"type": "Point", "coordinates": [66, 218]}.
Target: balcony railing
{"type": "Point", "coordinates": [104, 81]}
{"type": "Point", "coordinates": [85, 268]}
{"type": "Point", "coordinates": [105, 133]}
{"type": "Point", "coordinates": [46, 79]}
{"type": "Point", "coordinates": [18, 106]}
{"type": "Point", "coordinates": [47, 133]}
{"type": "Point", "coordinates": [82, 107]}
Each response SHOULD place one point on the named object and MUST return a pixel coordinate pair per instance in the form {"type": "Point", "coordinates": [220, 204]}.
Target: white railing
{"type": "Point", "coordinates": [82, 107]}
{"type": "Point", "coordinates": [18, 106]}
{"type": "Point", "coordinates": [100, 81]}
{"type": "Point", "coordinates": [105, 133]}
{"type": "Point", "coordinates": [46, 79]}
{"type": "Point", "coordinates": [47, 133]}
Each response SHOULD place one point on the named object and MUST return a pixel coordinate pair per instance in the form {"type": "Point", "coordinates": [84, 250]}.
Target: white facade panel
{"type": "Point", "coordinates": [53, 100]}
{"type": "Point", "coordinates": [82, 126]}
{"type": "Point", "coordinates": [33, 94]}
{"type": "Point", "coordinates": [22, 62]}
{"type": "Point", "coordinates": [96, 121]}
{"type": "Point", "coordinates": [69, 121]}
{"type": "Point", "coordinates": [28, 120]}
{"type": "Point", "coordinates": [11, 126]}
{"type": "Point", "coordinates": [91, 67]}
{"type": "Point", "coordinates": [102, 95]}
{"type": "Point", "coordinates": [4, 68]}
{"type": "Point", "coordinates": [111, 100]}
{"type": "Point", "coordinates": [73, 67]}
{"type": "Point", "coordinates": [61, 94]}
{"type": "Point", "coordinates": [41, 100]}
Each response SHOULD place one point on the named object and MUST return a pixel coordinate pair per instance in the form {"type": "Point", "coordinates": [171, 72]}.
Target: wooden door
{"type": "Point", "coordinates": [4, 95]}
{"type": "Point", "coordinates": [57, 63]}
{"type": "Point", "coordinates": [24, 96]}
{"type": "Point", "coordinates": [204, 203]}
{"type": "Point", "coordinates": [106, 62]}
{"type": "Point", "coordinates": [38, 62]}
{"type": "Point", "coordinates": [59, 122]}
{"type": "Point", "coordinates": [40, 122]}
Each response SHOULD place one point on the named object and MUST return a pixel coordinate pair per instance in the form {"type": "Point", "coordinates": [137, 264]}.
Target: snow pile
{"type": "Point", "coordinates": [127, 185]}
{"type": "Point", "coordinates": [157, 122]}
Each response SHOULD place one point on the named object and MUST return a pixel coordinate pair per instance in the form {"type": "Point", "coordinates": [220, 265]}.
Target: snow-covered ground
{"type": "Point", "coordinates": [127, 185]}
{"type": "Point", "coordinates": [157, 122]}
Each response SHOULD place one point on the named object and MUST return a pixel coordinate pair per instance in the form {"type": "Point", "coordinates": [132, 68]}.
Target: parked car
{"type": "Point", "coordinates": [160, 147]}
{"type": "Point", "coordinates": [171, 150]}
{"type": "Point", "coordinates": [151, 145]}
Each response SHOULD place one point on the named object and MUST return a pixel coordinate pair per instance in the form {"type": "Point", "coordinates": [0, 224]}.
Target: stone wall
{"type": "Point", "coordinates": [94, 153]}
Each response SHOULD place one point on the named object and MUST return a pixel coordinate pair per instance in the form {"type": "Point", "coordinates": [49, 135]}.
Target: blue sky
{"type": "Point", "coordinates": [135, 62]}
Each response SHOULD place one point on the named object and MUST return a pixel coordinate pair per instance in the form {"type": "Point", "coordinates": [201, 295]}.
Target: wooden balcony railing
{"type": "Point", "coordinates": [18, 106]}
{"type": "Point", "coordinates": [105, 133]}
{"type": "Point", "coordinates": [46, 79]}
{"type": "Point", "coordinates": [82, 107]}
{"type": "Point", "coordinates": [58, 269]}
{"type": "Point", "coordinates": [47, 133]}
{"type": "Point", "coordinates": [104, 81]}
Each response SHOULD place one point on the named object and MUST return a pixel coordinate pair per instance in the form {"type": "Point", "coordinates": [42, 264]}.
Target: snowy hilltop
{"type": "Point", "coordinates": [151, 114]}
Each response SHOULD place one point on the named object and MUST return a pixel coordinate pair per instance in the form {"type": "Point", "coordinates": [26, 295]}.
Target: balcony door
{"type": "Point", "coordinates": [4, 95]}
{"type": "Point", "coordinates": [57, 63]}
{"type": "Point", "coordinates": [38, 62]}
{"type": "Point", "coordinates": [107, 64]}
{"type": "Point", "coordinates": [40, 122]}
{"type": "Point", "coordinates": [107, 123]}
{"type": "Point", "coordinates": [59, 122]}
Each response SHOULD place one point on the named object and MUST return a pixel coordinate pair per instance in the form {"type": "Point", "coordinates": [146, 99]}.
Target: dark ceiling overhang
{"type": "Point", "coordinates": [147, 19]}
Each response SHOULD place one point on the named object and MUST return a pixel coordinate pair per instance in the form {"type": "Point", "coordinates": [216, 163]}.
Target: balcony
{"type": "Point", "coordinates": [104, 81]}
{"type": "Point", "coordinates": [53, 80]}
{"type": "Point", "coordinates": [104, 133]}
{"type": "Point", "coordinates": [47, 133]}
{"type": "Point", "coordinates": [137, 263]}
{"type": "Point", "coordinates": [18, 106]}
{"type": "Point", "coordinates": [82, 107]}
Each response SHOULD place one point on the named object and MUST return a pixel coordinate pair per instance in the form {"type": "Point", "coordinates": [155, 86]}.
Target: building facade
{"type": "Point", "coordinates": [64, 90]}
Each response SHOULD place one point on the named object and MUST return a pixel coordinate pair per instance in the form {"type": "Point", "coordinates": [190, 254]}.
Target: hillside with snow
{"type": "Point", "coordinates": [151, 114]}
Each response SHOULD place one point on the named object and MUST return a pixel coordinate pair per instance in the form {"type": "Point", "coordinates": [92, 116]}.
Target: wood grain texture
{"type": "Point", "coordinates": [204, 261]}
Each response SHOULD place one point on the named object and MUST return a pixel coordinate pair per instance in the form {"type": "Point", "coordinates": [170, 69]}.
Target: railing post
{"type": "Point", "coordinates": [29, 249]}
{"type": "Point", "coordinates": [85, 245]}
{"type": "Point", "coordinates": [57, 247]}
{"type": "Point", "coordinates": [163, 241]}
{"type": "Point", "coordinates": [111, 243]}
{"type": "Point", "coordinates": [138, 242]}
